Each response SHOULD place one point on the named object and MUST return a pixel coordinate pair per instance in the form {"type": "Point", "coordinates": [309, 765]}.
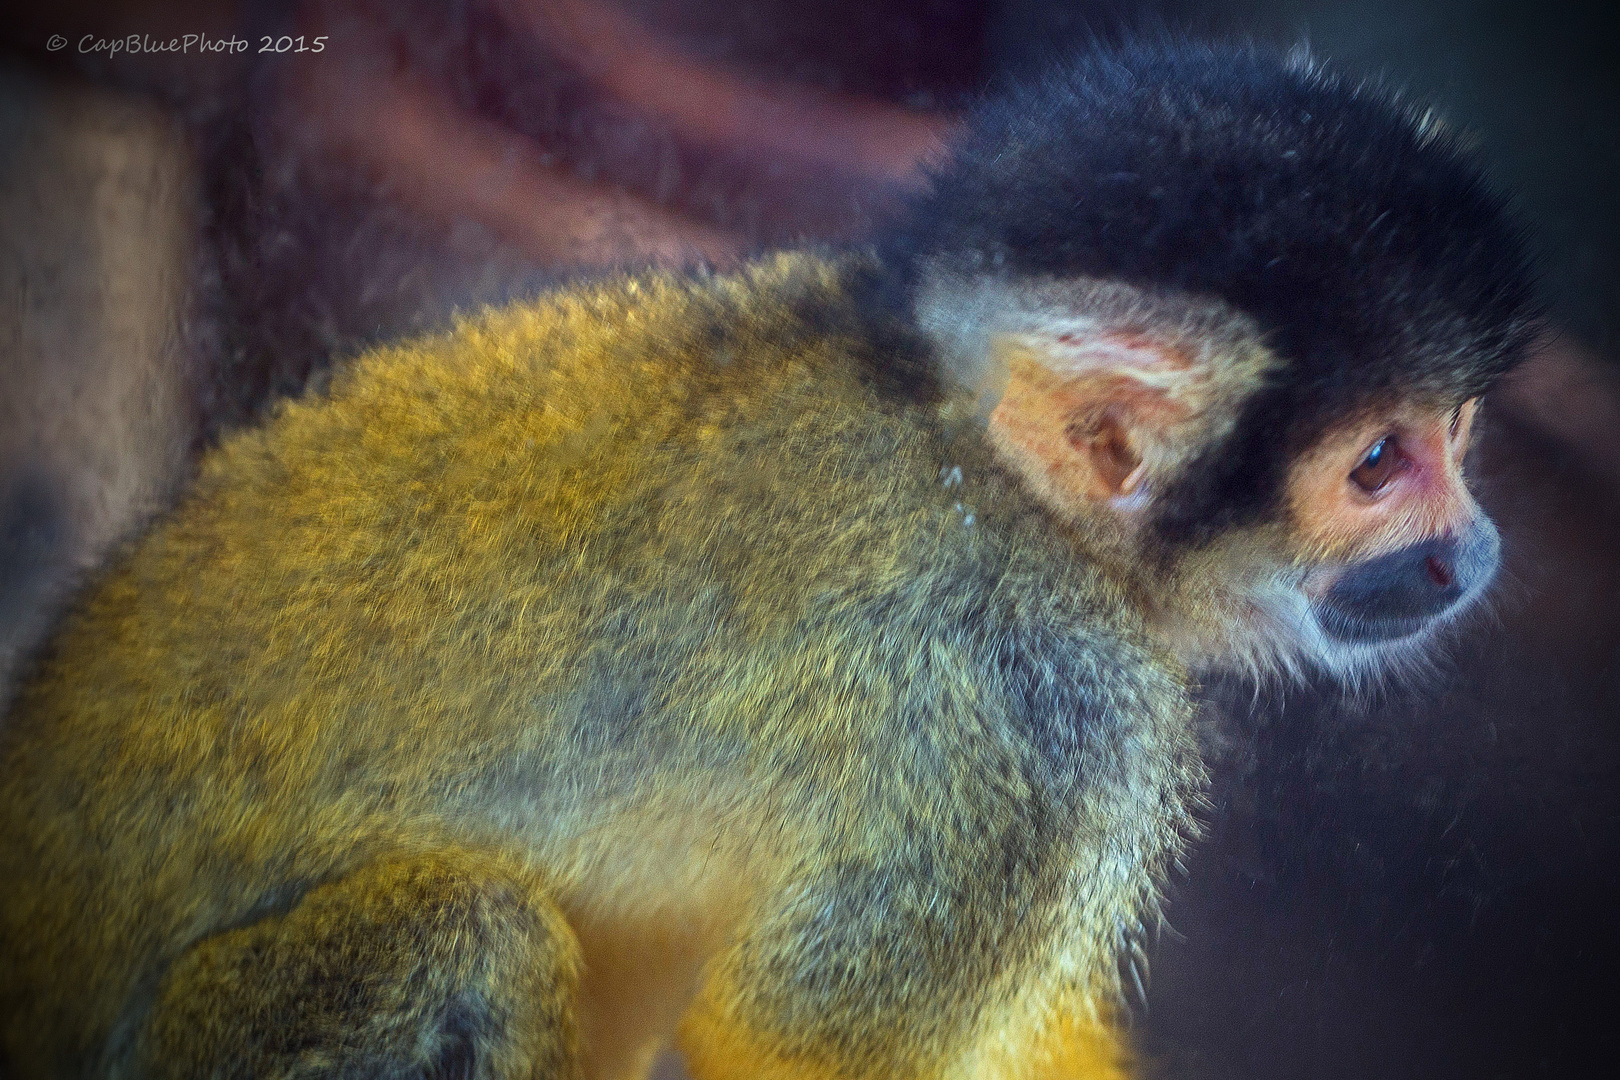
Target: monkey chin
{"type": "Point", "coordinates": [1365, 658]}
{"type": "Point", "coordinates": [1365, 655]}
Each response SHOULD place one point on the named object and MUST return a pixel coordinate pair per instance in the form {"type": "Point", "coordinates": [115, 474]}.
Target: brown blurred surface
{"type": "Point", "coordinates": [98, 230]}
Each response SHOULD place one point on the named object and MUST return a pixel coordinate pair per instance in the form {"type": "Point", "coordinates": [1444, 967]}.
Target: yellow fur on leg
{"type": "Point", "coordinates": [1068, 1046]}
{"type": "Point", "coordinates": [1065, 1043]}
{"type": "Point", "coordinates": [449, 964]}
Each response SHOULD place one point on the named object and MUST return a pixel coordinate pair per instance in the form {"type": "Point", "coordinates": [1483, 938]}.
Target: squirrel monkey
{"type": "Point", "coordinates": [796, 664]}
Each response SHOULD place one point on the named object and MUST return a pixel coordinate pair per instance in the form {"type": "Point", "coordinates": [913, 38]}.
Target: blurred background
{"type": "Point", "coordinates": [1424, 884]}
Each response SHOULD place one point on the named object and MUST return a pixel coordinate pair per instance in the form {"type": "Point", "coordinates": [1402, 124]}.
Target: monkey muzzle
{"type": "Point", "coordinates": [1400, 593]}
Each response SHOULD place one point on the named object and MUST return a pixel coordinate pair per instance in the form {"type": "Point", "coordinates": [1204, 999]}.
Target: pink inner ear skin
{"type": "Point", "coordinates": [1106, 441]}
{"type": "Point", "coordinates": [1077, 433]}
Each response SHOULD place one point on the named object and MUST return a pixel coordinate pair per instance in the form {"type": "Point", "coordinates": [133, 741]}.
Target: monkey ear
{"type": "Point", "coordinates": [1090, 418]}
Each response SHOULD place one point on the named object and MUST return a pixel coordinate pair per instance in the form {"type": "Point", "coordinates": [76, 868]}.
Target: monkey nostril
{"type": "Point", "coordinates": [1439, 572]}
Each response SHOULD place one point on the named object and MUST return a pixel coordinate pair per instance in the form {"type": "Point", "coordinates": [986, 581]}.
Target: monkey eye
{"type": "Point", "coordinates": [1378, 466]}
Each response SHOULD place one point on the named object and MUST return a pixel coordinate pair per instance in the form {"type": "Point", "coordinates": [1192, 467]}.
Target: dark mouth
{"type": "Point", "coordinates": [1351, 628]}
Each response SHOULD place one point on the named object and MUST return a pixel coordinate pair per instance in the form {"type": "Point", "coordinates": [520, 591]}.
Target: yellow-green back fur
{"type": "Point", "coordinates": [655, 552]}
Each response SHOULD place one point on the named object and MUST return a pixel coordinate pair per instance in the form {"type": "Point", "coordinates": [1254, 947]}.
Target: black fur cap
{"type": "Point", "coordinates": [1357, 232]}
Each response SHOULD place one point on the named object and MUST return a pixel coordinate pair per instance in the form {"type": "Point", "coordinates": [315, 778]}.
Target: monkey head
{"type": "Point", "coordinates": [1230, 317]}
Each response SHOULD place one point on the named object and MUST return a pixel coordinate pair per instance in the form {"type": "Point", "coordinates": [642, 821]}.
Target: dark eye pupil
{"type": "Point", "coordinates": [1375, 469]}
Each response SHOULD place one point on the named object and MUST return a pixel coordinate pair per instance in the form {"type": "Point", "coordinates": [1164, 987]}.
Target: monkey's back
{"type": "Point", "coordinates": [485, 589]}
